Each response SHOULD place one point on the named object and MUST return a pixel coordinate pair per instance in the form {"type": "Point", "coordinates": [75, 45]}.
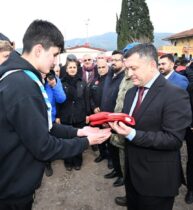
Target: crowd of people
{"type": "Point", "coordinates": [44, 117]}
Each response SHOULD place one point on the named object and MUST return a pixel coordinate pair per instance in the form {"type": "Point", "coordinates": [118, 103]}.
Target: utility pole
{"type": "Point", "coordinates": [87, 25]}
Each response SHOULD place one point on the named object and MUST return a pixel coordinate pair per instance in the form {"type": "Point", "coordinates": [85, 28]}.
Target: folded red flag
{"type": "Point", "coordinates": [105, 117]}
{"type": "Point", "coordinates": [98, 116]}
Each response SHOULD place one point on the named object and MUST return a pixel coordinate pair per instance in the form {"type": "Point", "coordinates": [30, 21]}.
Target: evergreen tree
{"type": "Point", "coordinates": [134, 23]}
{"type": "Point", "coordinates": [122, 25]}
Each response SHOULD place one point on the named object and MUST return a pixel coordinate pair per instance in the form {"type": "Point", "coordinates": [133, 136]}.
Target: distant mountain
{"type": "Point", "coordinates": [108, 41]}
{"type": "Point", "coordinates": [105, 41]}
{"type": "Point", "coordinates": [158, 42]}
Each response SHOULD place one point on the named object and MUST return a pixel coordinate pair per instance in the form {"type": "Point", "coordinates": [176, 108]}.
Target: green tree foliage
{"type": "Point", "coordinates": [134, 23]}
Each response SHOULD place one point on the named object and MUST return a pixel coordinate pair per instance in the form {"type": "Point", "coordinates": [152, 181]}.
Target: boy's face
{"type": "Point", "coordinates": [4, 56]}
{"type": "Point", "coordinates": [47, 59]}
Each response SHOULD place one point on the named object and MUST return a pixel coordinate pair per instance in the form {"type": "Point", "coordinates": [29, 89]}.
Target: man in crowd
{"type": "Point", "coordinates": [96, 91]}
{"type": "Point", "coordinates": [89, 70]}
{"type": "Point", "coordinates": [162, 113]}
{"type": "Point", "coordinates": [108, 103]}
{"type": "Point", "coordinates": [166, 67]}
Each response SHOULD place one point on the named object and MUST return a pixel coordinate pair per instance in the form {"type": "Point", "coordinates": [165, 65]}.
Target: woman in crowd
{"type": "Point", "coordinates": [73, 110]}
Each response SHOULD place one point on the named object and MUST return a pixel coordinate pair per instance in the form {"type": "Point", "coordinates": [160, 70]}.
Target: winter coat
{"type": "Point", "coordinates": [25, 142]}
{"type": "Point", "coordinates": [110, 91]}
{"type": "Point", "coordinates": [56, 95]}
{"type": "Point", "coordinates": [96, 91]}
{"type": "Point", "coordinates": [73, 110]}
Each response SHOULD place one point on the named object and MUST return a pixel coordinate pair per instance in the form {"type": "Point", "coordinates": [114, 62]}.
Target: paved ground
{"type": "Point", "coordinates": [86, 189]}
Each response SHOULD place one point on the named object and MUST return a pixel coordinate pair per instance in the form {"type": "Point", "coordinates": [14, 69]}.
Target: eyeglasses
{"type": "Point", "coordinates": [101, 67]}
{"type": "Point", "coordinates": [116, 60]}
{"type": "Point", "coordinates": [89, 59]}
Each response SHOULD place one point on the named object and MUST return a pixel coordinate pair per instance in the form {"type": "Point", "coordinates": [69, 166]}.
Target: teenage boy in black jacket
{"type": "Point", "coordinates": [27, 137]}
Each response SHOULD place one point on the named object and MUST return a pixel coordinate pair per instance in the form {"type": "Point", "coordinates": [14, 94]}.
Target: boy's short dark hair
{"type": "Point", "coordinates": [44, 33]}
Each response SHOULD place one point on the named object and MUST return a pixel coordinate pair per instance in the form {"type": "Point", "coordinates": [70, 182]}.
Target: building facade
{"type": "Point", "coordinates": [181, 43]}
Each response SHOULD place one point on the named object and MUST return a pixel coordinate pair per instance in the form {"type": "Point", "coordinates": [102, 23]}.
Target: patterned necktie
{"type": "Point", "coordinates": [139, 99]}
{"type": "Point", "coordinates": [89, 77]}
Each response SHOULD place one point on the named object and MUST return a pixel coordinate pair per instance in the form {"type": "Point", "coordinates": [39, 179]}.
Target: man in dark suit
{"type": "Point", "coordinates": [162, 114]}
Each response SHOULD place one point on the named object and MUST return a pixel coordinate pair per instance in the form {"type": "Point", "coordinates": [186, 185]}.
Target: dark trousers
{"type": "Point", "coordinates": [135, 201]}
{"type": "Point", "coordinates": [103, 149]}
{"type": "Point", "coordinates": [189, 169]}
{"type": "Point", "coordinates": [74, 161]}
{"type": "Point", "coordinates": [20, 206]}
{"type": "Point", "coordinates": [114, 154]}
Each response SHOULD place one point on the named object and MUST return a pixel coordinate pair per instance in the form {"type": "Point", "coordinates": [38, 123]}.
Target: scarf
{"type": "Point", "coordinates": [91, 73]}
{"type": "Point", "coordinates": [45, 96]}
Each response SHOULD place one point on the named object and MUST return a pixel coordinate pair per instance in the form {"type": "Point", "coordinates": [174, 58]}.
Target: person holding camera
{"type": "Point", "coordinates": [56, 94]}
{"type": "Point", "coordinates": [55, 91]}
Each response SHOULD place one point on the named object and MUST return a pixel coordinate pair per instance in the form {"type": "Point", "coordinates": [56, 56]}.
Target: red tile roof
{"type": "Point", "coordinates": [182, 34]}
{"type": "Point", "coordinates": [86, 46]}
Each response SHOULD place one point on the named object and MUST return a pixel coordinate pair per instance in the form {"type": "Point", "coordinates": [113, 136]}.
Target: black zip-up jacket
{"type": "Point", "coordinates": [25, 142]}
{"type": "Point", "coordinates": [96, 91]}
{"type": "Point", "coordinates": [110, 91]}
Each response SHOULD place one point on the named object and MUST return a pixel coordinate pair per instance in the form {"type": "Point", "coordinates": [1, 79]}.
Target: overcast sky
{"type": "Point", "coordinates": [74, 17]}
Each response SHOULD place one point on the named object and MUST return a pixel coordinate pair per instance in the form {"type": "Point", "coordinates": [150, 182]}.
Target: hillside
{"type": "Point", "coordinates": [108, 41]}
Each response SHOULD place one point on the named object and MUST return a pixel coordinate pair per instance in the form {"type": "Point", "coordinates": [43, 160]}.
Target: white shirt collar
{"type": "Point", "coordinates": [150, 83]}
{"type": "Point", "coordinates": [168, 75]}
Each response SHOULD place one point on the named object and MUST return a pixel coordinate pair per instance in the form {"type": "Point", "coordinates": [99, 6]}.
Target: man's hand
{"type": "Point", "coordinates": [97, 110]}
{"type": "Point", "coordinates": [87, 130]}
{"type": "Point", "coordinates": [99, 137]}
{"type": "Point", "coordinates": [58, 121]}
{"type": "Point", "coordinates": [120, 128]}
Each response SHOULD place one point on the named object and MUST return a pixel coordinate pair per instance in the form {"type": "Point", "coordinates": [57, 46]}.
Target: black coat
{"type": "Point", "coordinates": [110, 91]}
{"type": "Point", "coordinates": [96, 91]}
{"type": "Point", "coordinates": [25, 142]}
{"type": "Point", "coordinates": [153, 156]}
{"type": "Point", "coordinates": [188, 72]}
{"type": "Point", "coordinates": [73, 110]}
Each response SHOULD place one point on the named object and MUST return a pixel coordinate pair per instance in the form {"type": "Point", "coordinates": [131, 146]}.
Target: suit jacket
{"type": "Point", "coordinates": [179, 80]}
{"type": "Point", "coordinates": [153, 156]}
